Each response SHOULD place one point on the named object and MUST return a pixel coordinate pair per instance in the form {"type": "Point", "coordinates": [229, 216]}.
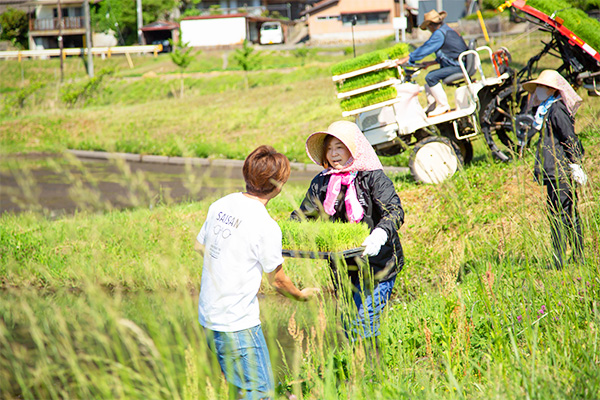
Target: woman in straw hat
{"type": "Point", "coordinates": [558, 159]}
{"type": "Point", "coordinates": [447, 45]}
{"type": "Point", "coordinates": [353, 188]}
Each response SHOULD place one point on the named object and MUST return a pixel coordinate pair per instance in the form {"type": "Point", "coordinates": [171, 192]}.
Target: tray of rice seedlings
{"type": "Point", "coordinates": [322, 239]}
{"type": "Point", "coordinates": [369, 79]}
{"type": "Point", "coordinates": [368, 98]}
{"type": "Point", "coordinates": [350, 86]}
{"type": "Point", "coordinates": [368, 62]}
{"type": "Point", "coordinates": [575, 20]}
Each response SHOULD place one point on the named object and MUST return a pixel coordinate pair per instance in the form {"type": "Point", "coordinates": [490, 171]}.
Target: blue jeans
{"type": "Point", "coordinates": [440, 74]}
{"type": "Point", "coordinates": [367, 323]}
{"type": "Point", "coordinates": [244, 359]}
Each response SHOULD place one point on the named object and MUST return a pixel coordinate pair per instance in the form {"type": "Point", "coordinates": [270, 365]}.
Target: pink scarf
{"type": "Point", "coordinates": [353, 208]}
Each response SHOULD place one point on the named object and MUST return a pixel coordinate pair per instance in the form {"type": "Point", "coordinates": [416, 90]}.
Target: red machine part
{"type": "Point", "coordinates": [499, 58]}
{"type": "Point", "coordinates": [555, 23]}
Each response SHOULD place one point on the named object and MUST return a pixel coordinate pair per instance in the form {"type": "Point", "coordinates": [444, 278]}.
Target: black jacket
{"type": "Point", "coordinates": [558, 146]}
{"type": "Point", "coordinates": [382, 209]}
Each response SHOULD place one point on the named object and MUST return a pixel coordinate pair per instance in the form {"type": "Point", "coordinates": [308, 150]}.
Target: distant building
{"type": "Point", "coordinates": [331, 20]}
{"type": "Point", "coordinates": [223, 30]}
{"type": "Point", "coordinates": [44, 23]}
{"type": "Point", "coordinates": [290, 9]}
{"type": "Point", "coordinates": [160, 32]}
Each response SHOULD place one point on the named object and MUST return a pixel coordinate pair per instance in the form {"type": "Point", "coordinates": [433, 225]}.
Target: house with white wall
{"type": "Point", "coordinates": [223, 30]}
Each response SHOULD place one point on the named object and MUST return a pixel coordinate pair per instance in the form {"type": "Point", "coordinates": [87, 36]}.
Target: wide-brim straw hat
{"type": "Point", "coordinates": [548, 77]}
{"type": "Point", "coordinates": [432, 17]}
{"type": "Point", "coordinates": [552, 79]}
{"type": "Point", "coordinates": [345, 131]}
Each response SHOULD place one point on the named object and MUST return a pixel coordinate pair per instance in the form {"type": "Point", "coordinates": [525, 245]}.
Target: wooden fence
{"type": "Point", "coordinates": [99, 51]}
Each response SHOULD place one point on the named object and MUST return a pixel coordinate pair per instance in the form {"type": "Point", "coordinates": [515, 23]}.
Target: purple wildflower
{"type": "Point", "coordinates": [542, 310]}
{"type": "Point", "coordinates": [519, 318]}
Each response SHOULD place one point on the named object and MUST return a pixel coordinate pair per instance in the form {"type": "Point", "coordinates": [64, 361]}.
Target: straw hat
{"type": "Point", "coordinates": [548, 77]}
{"type": "Point", "coordinates": [345, 131]}
{"type": "Point", "coordinates": [432, 16]}
{"type": "Point", "coordinates": [554, 80]}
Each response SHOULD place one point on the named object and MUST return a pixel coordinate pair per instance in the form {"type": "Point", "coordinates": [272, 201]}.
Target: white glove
{"type": "Point", "coordinates": [374, 241]}
{"type": "Point", "coordinates": [578, 175]}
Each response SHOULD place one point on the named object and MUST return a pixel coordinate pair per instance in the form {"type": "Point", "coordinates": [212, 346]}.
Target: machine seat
{"type": "Point", "coordinates": [458, 78]}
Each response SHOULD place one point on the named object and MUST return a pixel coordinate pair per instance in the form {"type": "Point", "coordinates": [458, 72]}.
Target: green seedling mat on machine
{"type": "Point", "coordinates": [367, 72]}
{"type": "Point", "coordinates": [576, 20]}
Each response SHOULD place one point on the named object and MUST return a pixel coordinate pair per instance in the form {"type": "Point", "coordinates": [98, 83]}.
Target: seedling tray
{"type": "Point", "coordinates": [326, 255]}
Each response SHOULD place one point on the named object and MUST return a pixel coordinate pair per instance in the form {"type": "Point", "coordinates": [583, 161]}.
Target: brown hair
{"type": "Point", "coordinates": [264, 169]}
{"type": "Point", "coordinates": [326, 143]}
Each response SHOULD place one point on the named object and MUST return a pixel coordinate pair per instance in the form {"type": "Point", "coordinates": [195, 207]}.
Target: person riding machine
{"type": "Point", "coordinates": [447, 45]}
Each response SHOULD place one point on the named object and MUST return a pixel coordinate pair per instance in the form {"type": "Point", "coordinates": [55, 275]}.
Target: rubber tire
{"type": "Point", "coordinates": [502, 141]}
{"type": "Point", "coordinates": [434, 159]}
{"type": "Point", "coordinates": [466, 149]}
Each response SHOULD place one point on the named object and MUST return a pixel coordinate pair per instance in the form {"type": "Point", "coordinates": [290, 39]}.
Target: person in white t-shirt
{"type": "Point", "coordinates": [240, 241]}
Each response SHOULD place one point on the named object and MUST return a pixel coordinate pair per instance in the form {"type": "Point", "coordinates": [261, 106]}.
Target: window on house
{"type": "Point", "coordinates": [367, 18]}
{"type": "Point", "coordinates": [64, 11]}
{"type": "Point", "coordinates": [329, 18]}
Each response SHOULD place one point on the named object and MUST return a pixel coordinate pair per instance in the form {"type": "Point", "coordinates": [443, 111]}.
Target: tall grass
{"type": "Point", "coordinates": [104, 304]}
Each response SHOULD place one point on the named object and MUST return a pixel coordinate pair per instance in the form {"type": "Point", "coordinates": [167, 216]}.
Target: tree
{"type": "Point", "coordinates": [247, 59]}
{"type": "Point", "coordinates": [15, 27]}
{"type": "Point", "coordinates": [189, 8]}
{"type": "Point", "coordinates": [120, 16]}
{"type": "Point", "coordinates": [181, 57]}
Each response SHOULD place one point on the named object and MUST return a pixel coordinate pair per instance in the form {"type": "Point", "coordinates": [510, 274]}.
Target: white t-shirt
{"type": "Point", "coordinates": [241, 242]}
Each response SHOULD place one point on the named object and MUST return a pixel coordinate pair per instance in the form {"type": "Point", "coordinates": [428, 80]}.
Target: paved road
{"type": "Point", "coordinates": [50, 183]}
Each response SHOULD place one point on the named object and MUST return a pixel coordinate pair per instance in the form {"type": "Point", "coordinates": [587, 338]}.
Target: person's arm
{"type": "Point", "coordinates": [387, 201]}
{"type": "Point", "coordinates": [435, 42]}
{"type": "Point", "coordinates": [564, 129]}
{"type": "Point", "coordinates": [199, 247]}
{"type": "Point", "coordinates": [280, 281]}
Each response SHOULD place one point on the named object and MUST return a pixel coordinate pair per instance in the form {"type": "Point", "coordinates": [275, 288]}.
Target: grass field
{"type": "Point", "coordinates": [103, 304]}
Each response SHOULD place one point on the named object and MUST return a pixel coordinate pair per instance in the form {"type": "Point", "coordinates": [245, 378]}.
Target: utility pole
{"type": "Point", "coordinates": [60, 40]}
{"type": "Point", "coordinates": [140, 21]}
{"type": "Point", "coordinates": [354, 19]}
{"type": "Point", "coordinates": [88, 38]}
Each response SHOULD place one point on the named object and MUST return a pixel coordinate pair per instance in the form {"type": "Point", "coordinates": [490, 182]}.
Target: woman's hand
{"type": "Point", "coordinates": [374, 241]}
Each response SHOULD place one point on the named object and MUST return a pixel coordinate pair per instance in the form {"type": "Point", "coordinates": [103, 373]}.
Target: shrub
{"type": "Point", "coordinates": [73, 94]}
{"type": "Point", "coordinates": [15, 103]}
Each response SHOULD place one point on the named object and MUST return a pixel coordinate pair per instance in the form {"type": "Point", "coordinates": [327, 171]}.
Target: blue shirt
{"type": "Point", "coordinates": [434, 45]}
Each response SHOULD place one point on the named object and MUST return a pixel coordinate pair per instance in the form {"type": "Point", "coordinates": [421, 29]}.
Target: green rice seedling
{"type": "Point", "coordinates": [576, 20]}
{"type": "Point", "coordinates": [368, 98]}
{"type": "Point", "coordinates": [371, 78]}
{"type": "Point", "coordinates": [398, 51]}
{"type": "Point", "coordinates": [318, 235]}
{"type": "Point", "coordinates": [368, 59]}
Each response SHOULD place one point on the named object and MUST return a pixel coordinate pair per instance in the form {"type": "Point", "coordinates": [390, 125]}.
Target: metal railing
{"type": "Point", "coordinates": [52, 24]}
{"type": "Point", "coordinates": [105, 51]}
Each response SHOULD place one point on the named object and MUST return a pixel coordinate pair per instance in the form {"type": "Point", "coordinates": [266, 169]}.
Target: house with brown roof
{"type": "Point", "coordinates": [331, 20]}
{"type": "Point", "coordinates": [45, 26]}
